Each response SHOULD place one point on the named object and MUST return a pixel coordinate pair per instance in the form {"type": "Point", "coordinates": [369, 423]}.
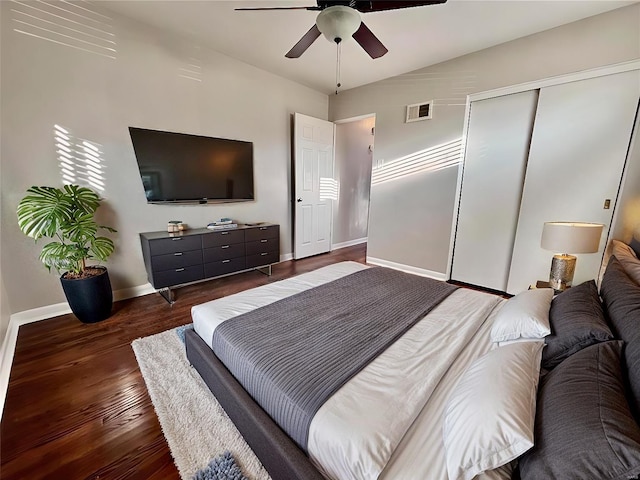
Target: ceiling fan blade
{"type": "Point", "coordinates": [278, 8]}
{"type": "Point", "coordinates": [369, 42]}
{"type": "Point", "coordinates": [365, 6]}
{"type": "Point", "coordinates": [304, 43]}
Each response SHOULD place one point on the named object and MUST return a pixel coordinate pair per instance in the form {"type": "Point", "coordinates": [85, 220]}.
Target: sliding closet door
{"type": "Point", "coordinates": [498, 140]}
{"type": "Point", "coordinates": [578, 149]}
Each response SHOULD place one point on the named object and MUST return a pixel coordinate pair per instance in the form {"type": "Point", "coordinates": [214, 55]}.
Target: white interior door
{"type": "Point", "coordinates": [313, 185]}
{"type": "Point", "coordinates": [495, 161]}
{"type": "Point", "coordinates": [578, 151]}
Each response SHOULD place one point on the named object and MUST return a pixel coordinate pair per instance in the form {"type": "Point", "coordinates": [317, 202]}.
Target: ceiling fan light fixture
{"type": "Point", "coordinates": [338, 22]}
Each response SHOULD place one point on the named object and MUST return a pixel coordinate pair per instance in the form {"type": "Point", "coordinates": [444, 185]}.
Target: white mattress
{"type": "Point", "coordinates": [344, 437]}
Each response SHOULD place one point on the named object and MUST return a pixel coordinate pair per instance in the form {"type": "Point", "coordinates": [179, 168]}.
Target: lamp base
{"type": "Point", "coordinates": [562, 270]}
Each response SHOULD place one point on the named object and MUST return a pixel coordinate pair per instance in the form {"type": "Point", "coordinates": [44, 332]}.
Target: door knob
{"type": "Point", "coordinates": [299, 200]}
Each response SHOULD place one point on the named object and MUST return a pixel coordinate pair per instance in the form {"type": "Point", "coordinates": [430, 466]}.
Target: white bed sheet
{"type": "Point", "coordinates": [388, 394]}
{"type": "Point", "coordinates": [421, 452]}
{"type": "Point", "coordinates": [355, 432]}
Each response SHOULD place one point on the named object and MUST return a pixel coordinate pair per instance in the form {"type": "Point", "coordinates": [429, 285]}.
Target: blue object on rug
{"type": "Point", "coordinates": [223, 467]}
{"type": "Point", "coordinates": [180, 330]}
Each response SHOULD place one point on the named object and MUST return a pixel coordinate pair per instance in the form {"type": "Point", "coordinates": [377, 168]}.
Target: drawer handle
{"type": "Point", "coordinates": [176, 239]}
{"type": "Point", "coordinates": [224, 233]}
{"type": "Point", "coordinates": [177, 254]}
{"type": "Point", "coordinates": [264, 241]}
{"type": "Point", "coordinates": [263, 228]}
{"type": "Point", "coordinates": [180, 269]}
{"type": "Point", "coordinates": [226, 261]}
{"type": "Point", "coordinates": [224, 246]}
{"type": "Point", "coordinates": [265, 253]}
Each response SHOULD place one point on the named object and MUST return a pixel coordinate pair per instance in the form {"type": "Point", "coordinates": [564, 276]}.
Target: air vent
{"type": "Point", "coordinates": [419, 111]}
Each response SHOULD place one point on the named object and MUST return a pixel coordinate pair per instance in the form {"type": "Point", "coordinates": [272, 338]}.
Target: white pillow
{"type": "Point", "coordinates": [490, 414]}
{"type": "Point", "coordinates": [524, 316]}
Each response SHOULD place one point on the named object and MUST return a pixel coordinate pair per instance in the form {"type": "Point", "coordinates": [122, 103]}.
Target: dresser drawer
{"type": "Point", "coordinates": [169, 278]}
{"type": "Point", "coordinates": [259, 233]}
{"type": "Point", "coordinates": [223, 252]}
{"type": "Point", "coordinates": [172, 261]}
{"type": "Point", "coordinates": [224, 237]}
{"type": "Point", "coordinates": [264, 258]}
{"type": "Point", "coordinates": [264, 245]}
{"type": "Point", "coordinates": [214, 269]}
{"type": "Point", "coordinates": [174, 244]}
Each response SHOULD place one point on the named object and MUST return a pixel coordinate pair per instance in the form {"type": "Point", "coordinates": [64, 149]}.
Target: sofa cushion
{"type": "Point", "coordinates": [584, 427]}
{"type": "Point", "coordinates": [577, 321]}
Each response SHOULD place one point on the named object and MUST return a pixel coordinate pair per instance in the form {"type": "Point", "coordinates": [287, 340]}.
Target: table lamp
{"type": "Point", "coordinates": [568, 237]}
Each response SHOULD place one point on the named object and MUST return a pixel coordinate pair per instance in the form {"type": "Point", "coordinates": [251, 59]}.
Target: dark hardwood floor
{"type": "Point", "coordinates": [77, 406]}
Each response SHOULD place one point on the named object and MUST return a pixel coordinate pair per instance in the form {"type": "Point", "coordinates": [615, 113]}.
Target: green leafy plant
{"type": "Point", "coordinates": [65, 215]}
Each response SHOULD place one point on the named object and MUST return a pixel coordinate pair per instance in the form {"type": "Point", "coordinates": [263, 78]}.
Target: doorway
{"type": "Point", "coordinates": [354, 145]}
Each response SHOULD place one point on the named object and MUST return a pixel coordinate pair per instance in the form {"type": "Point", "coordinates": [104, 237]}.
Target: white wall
{"type": "Point", "coordinates": [96, 98]}
{"type": "Point", "coordinates": [353, 173]}
{"type": "Point", "coordinates": [410, 219]}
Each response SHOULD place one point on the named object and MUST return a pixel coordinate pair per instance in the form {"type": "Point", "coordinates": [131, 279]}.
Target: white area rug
{"type": "Point", "coordinates": [196, 427]}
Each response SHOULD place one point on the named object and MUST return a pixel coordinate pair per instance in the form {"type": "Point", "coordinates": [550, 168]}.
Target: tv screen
{"type": "Point", "coordinates": [176, 167]}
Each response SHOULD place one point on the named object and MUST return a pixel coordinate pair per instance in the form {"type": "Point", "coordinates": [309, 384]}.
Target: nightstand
{"type": "Point", "coordinates": [543, 284]}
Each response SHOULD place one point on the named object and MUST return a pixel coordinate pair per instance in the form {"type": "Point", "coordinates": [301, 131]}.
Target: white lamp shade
{"type": "Point", "coordinates": [567, 237]}
{"type": "Point", "coordinates": [338, 21]}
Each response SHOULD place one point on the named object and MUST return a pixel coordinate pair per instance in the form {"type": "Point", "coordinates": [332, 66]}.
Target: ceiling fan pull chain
{"type": "Point", "coordinates": [338, 46]}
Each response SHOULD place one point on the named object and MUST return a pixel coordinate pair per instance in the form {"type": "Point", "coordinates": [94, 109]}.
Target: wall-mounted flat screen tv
{"type": "Point", "coordinates": [181, 168]}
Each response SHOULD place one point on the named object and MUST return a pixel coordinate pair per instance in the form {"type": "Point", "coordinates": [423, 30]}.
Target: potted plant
{"type": "Point", "coordinates": [66, 215]}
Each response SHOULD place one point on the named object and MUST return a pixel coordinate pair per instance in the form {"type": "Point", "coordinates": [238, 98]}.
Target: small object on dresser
{"type": "Point", "coordinates": [222, 221]}
{"type": "Point", "coordinates": [223, 226]}
{"type": "Point", "coordinates": [173, 226]}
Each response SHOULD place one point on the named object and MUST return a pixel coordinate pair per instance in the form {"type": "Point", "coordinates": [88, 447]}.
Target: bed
{"type": "Point", "coordinates": [387, 421]}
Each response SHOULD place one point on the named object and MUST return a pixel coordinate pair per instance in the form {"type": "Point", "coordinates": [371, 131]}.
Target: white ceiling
{"type": "Point", "coordinates": [416, 37]}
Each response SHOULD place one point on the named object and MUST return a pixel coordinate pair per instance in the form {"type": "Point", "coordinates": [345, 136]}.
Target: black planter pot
{"type": "Point", "coordinates": [90, 298]}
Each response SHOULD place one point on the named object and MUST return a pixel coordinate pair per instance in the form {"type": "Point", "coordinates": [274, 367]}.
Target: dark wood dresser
{"type": "Point", "coordinates": [174, 259]}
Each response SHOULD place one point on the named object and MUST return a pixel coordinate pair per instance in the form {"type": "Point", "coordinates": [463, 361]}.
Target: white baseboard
{"type": "Point", "coordinates": [132, 292]}
{"type": "Point", "coordinates": [348, 243]}
{"type": "Point", "coordinates": [407, 268]}
{"type": "Point", "coordinates": [286, 256]}
{"type": "Point", "coordinates": [8, 349]}
{"type": "Point", "coordinates": [42, 313]}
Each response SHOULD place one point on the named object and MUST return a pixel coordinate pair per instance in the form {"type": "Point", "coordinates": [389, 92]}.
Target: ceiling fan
{"type": "Point", "coordinates": [339, 20]}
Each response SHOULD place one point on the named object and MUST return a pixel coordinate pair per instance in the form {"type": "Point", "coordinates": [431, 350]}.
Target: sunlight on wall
{"type": "Point", "coordinates": [329, 189]}
{"type": "Point", "coordinates": [631, 220]}
{"type": "Point", "coordinates": [444, 87]}
{"type": "Point", "coordinates": [192, 69]}
{"type": "Point", "coordinates": [76, 25]}
{"type": "Point", "coordinates": [428, 160]}
{"type": "Point", "coordinates": [80, 160]}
